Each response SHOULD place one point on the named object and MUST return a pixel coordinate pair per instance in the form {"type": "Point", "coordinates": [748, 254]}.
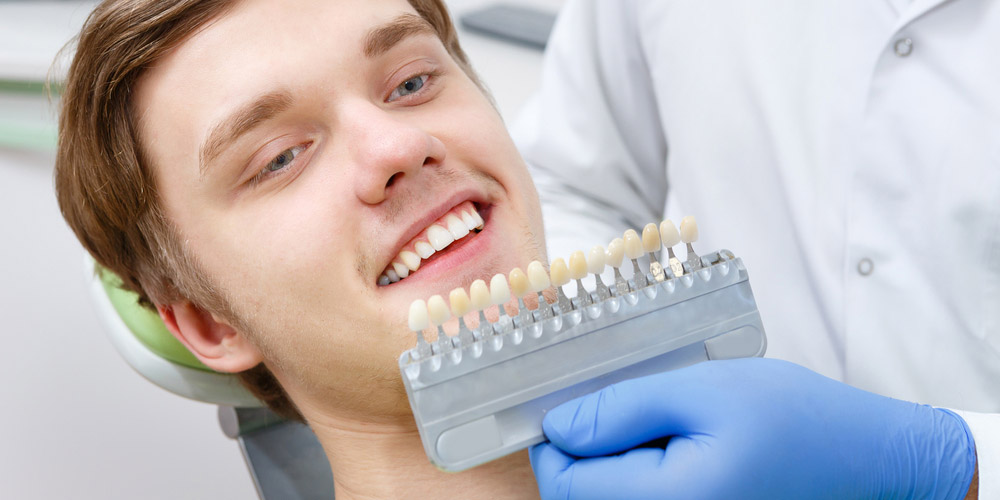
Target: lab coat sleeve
{"type": "Point", "coordinates": [985, 429]}
{"type": "Point", "coordinates": [592, 136]}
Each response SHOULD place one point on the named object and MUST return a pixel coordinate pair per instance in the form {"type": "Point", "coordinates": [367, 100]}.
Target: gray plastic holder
{"type": "Point", "coordinates": [487, 399]}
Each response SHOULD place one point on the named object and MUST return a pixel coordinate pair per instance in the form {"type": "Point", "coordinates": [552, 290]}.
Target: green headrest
{"type": "Point", "coordinates": [145, 324]}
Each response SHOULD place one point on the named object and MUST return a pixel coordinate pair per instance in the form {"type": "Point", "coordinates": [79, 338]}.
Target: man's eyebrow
{"type": "Point", "coordinates": [240, 122]}
{"type": "Point", "coordinates": [382, 38]}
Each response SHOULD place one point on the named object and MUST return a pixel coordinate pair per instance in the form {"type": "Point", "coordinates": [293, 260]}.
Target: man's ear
{"type": "Point", "coordinates": [216, 344]}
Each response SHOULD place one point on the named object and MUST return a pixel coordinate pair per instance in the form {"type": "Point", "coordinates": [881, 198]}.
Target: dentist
{"type": "Point", "coordinates": [847, 150]}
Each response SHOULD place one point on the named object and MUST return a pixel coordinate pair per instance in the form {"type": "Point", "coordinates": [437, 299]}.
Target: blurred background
{"type": "Point", "coordinates": [75, 420]}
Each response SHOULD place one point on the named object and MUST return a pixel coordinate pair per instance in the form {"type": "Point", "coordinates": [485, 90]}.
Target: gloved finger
{"type": "Point", "coordinates": [627, 414]}
{"type": "Point", "coordinates": [636, 475]}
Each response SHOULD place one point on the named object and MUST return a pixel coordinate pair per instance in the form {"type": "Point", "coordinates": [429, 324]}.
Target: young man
{"type": "Point", "coordinates": [260, 171]}
{"type": "Point", "coordinates": [255, 169]}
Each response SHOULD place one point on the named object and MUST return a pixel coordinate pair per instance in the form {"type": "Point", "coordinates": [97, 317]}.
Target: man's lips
{"type": "Point", "coordinates": [448, 232]}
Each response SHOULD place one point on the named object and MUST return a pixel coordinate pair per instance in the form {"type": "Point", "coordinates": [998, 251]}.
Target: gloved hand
{"type": "Point", "coordinates": [750, 428]}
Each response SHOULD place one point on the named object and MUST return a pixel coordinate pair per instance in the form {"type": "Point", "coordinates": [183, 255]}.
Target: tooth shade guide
{"type": "Point", "coordinates": [514, 361]}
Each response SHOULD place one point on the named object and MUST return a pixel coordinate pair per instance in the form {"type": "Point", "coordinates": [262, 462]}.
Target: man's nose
{"type": "Point", "coordinates": [387, 148]}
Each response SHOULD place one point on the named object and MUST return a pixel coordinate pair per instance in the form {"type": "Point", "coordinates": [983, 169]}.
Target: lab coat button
{"type": "Point", "coordinates": [903, 47]}
{"type": "Point", "coordinates": [865, 266]}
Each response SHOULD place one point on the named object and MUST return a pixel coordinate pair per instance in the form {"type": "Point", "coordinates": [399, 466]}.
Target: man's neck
{"type": "Point", "coordinates": [387, 460]}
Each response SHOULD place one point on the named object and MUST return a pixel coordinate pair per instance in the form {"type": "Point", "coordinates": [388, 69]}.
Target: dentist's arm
{"type": "Point", "coordinates": [592, 135]}
{"type": "Point", "coordinates": [751, 428]}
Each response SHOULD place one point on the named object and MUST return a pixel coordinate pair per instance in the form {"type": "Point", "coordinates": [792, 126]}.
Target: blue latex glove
{"type": "Point", "coordinates": [750, 428]}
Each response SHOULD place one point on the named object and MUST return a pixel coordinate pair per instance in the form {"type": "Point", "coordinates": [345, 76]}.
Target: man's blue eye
{"type": "Point", "coordinates": [408, 87]}
{"type": "Point", "coordinates": [284, 159]}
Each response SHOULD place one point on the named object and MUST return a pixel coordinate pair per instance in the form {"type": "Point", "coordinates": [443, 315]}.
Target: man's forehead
{"type": "Point", "coordinates": [258, 46]}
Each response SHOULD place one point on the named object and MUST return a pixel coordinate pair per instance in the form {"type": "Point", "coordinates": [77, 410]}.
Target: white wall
{"type": "Point", "coordinates": [75, 420]}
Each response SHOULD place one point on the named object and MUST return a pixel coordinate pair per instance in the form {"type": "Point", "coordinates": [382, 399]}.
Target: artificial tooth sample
{"type": "Point", "coordinates": [671, 237]}
{"type": "Point", "coordinates": [689, 235]}
{"type": "Point", "coordinates": [419, 321]}
{"type": "Point", "coordinates": [401, 270]}
{"type": "Point", "coordinates": [424, 249]}
{"type": "Point", "coordinates": [439, 237]}
{"type": "Point", "coordinates": [410, 260]}
{"type": "Point", "coordinates": [596, 262]}
{"type": "Point", "coordinates": [577, 271]}
{"type": "Point", "coordinates": [479, 293]}
{"type": "Point", "coordinates": [633, 250]}
{"type": "Point", "coordinates": [560, 276]}
{"type": "Point", "coordinates": [539, 280]}
{"type": "Point", "coordinates": [651, 244]}
{"type": "Point", "coordinates": [520, 286]}
{"type": "Point", "coordinates": [616, 252]}
{"type": "Point", "coordinates": [438, 313]}
{"type": "Point", "coordinates": [499, 291]}
{"type": "Point", "coordinates": [500, 295]}
{"type": "Point", "coordinates": [456, 227]}
{"type": "Point", "coordinates": [460, 306]}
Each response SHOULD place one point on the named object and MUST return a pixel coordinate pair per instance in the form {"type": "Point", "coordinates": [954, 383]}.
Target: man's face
{"type": "Point", "coordinates": [300, 147]}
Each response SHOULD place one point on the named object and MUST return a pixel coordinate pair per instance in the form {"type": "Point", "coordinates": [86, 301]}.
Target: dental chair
{"type": "Point", "coordinates": [285, 459]}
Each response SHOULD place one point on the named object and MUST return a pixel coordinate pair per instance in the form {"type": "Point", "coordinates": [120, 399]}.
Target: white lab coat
{"type": "Point", "coordinates": [848, 150]}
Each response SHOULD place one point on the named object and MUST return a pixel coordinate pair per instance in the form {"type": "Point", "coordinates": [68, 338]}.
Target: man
{"type": "Point", "coordinates": [255, 168]}
{"type": "Point", "coordinates": [847, 150]}
{"type": "Point", "coordinates": [259, 169]}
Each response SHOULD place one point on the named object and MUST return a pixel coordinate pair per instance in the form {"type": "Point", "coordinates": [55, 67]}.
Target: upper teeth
{"type": "Point", "coordinates": [435, 238]}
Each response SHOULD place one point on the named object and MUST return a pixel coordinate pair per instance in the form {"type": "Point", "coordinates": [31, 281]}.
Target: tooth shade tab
{"type": "Point", "coordinates": [401, 270]}
{"type": "Point", "coordinates": [650, 238]}
{"type": "Point", "coordinates": [499, 291]}
{"type": "Point", "coordinates": [577, 265]}
{"type": "Point", "coordinates": [616, 252]}
{"type": "Point", "coordinates": [519, 284]}
{"type": "Point", "coordinates": [424, 249]}
{"type": "Point", "coordinates": [559, 272]}
{"type": "Point", "coordinates": [439, 237]}
{"type": "Point", "coordinates": [437, 310]}
{"type": "Point", "coordinates": [633, 245]}
{"type": "Point", "coordinates": [419, 319]}
{"type": "Point", "coordinates": [460, 303]}
{"type": "Point", "coordinates": [597, 260]}
{"type": "Point", "coordinates": [689, 229]}
{"type": "Point", "coordinates": [456, 227]}
{"type": "Point", "coordinates": [537, 277]}
{"type": "Point", "coordinates": [410, 260]}
{"type": "Point", "coordinates": [669, 234]}
{"type": "Point", "coordinates": [480, 295]}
